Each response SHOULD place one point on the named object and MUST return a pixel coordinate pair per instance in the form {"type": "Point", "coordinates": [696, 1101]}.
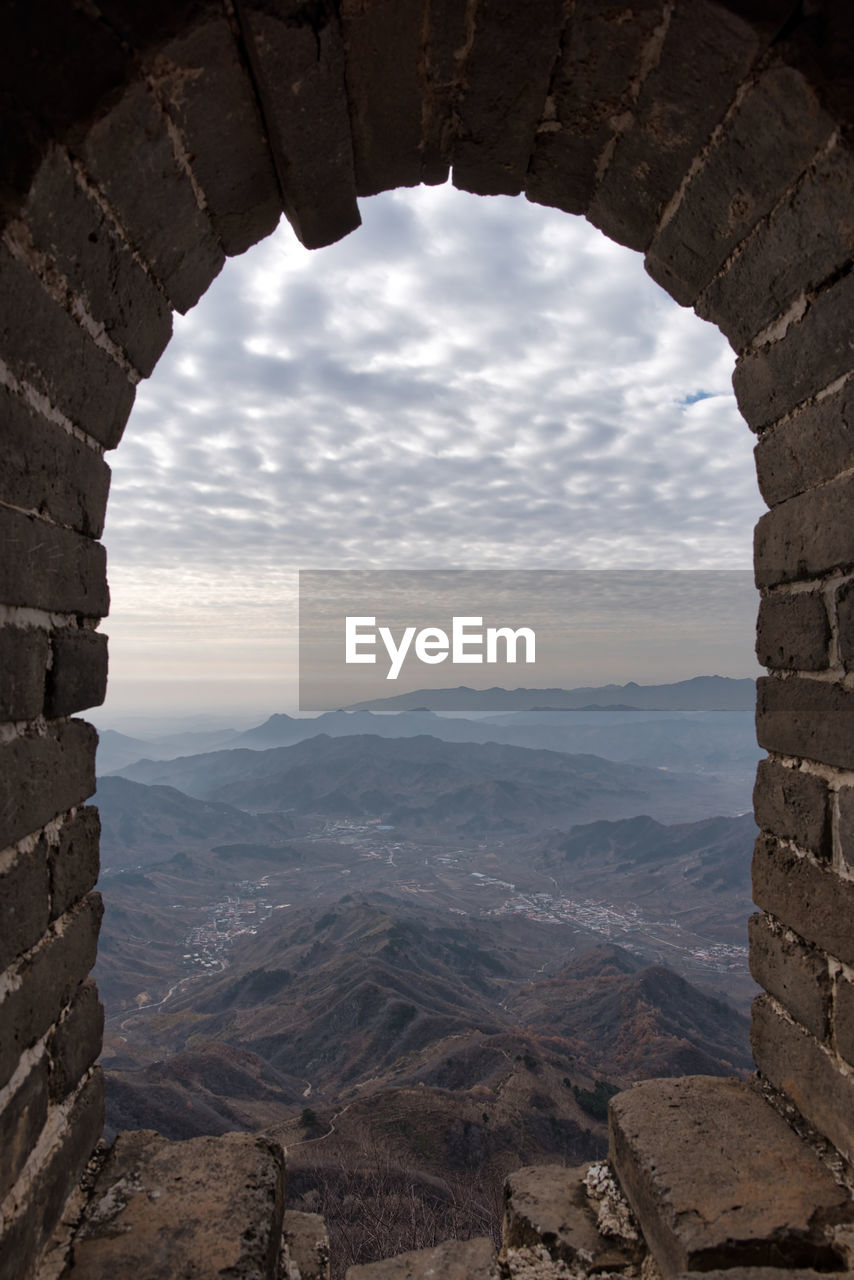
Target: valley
{"type": "Point", "coordinates": [420, 963]}
{"type": "Point", "coordinates": [191, 908]}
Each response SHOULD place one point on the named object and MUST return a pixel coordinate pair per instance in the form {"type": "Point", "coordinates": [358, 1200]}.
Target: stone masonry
{"type": "Point", "coordinates": [144, 143]}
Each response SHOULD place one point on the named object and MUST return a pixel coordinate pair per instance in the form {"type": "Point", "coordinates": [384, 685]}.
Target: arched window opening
{"type": "Point", "coordinates": [460, 384]}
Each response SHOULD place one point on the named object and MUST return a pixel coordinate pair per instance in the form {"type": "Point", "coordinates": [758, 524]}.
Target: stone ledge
{"type": "Point", "coordinates": [762, 1273]}
{"type": "Point", "coordinates": [202, 1209]}
{"type": "Point", "coordinates": [453, 1260]}
{"type": "Point", "coordinates": [305, 1247]}
{"type": "Point", "coordinates": [554, 1210]}
{"type": "Point", "coordinates": [717, 1179]}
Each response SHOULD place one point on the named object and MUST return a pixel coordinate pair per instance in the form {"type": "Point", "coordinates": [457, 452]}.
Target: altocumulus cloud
{"type": "Point", "coordinates": [462, 383]}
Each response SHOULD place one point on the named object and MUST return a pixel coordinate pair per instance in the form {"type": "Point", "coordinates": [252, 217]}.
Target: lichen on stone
{"type": "Point", "coordinates": [614, 1218]}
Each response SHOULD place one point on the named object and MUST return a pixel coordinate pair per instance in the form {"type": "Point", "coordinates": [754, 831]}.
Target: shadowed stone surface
{"type": "Point", "coordinates": [46, 978]}
{"type": "Point", "coordinates": [808, 718]}
{"type": "Point", "coordinates": [796, 1064]}
{"type": "Point", "coordinates": [453, 1260]}
{"type": "Point", "coordinates": [41, 776]}
{"type": "Point", "coordinates": [793, 632]}
{"type": "Point", "coordinates": [717, 1178]}
{"type": "Point", "coordinates": [794, 805]}
{"type": "Point", "coordinates": [154, 197]}
{"type": "Point", "coordinates": [796, 974]}
{"type": "Point", "coordinates": [299, 72]}
{"type": "Point", "coordinates": [602, 51]}
{"type": "Point", "coordinates": [384, 89]}
{"type": "Point", "coordinates": [80, 379]}
{"type": "Point", "coordinates": [548, 1205]}
{"type": "Point", "coordinates": [807, 896]}
{"type": "Point", "coordinates": [49, 471]}
{"type": "Point", "coordinates": [762, 1273]}
{"type": "Point", "coordinates": [305, 1247]}
{"type": "Point", "coordinates": [508, 71]}
{"type": "Point", "coordinates": [201, 1210]}
{"type": "Point", "coordinates": [21, 1237]}
{"type": "Point", "coordinates": [810, 448]}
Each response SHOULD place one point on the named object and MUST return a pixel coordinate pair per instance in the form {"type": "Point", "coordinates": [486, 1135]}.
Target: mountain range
{"type": "Point", "coordinates": [147, 824]}
{"type": "Point", "coordinates": [425, 785]}
{"type": "Point", "coordinates": [708, 724]}
{"type": "Point", "coordinates": [416, 962]}
{"type": "Point", "coordinates": [346, 1003]}
{"type": "Point", "coordinates": [701, 693]}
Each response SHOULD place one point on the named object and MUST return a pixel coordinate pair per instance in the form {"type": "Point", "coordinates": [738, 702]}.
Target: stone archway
{"type": "Point", "coordinates": [144, 146]}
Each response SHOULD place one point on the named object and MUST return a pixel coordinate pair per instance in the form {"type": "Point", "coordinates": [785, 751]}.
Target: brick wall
{"type": "Point", "coordinates": [144, 144]}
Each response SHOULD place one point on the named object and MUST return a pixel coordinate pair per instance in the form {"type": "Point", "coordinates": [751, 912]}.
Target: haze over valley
{"type": "Point", "coordinates": [432, 943]}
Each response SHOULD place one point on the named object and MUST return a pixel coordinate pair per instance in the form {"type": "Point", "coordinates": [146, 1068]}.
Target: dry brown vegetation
{"type": "Point", "coordinates": [377, 1209]}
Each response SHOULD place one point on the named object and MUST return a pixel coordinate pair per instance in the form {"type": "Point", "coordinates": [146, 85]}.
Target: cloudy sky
{"type": "Point", "coordinates": [462, 383]}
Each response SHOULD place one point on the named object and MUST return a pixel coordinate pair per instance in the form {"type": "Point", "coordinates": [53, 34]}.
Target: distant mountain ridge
{"type": "Point", "coordinates": [700, 693]}
{"type": "Point", "coordinates": [142, 824]}
{"type": "Point", "coordinates": [422, 783]}
{"type": "Point", "coordinates": [700, 742]}
{"type": "Point", "coordinates": [635, 1020]}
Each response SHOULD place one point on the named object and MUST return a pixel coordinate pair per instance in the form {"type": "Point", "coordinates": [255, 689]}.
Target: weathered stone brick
{"type": "Point", "coordinates": [507, 77]}
{"type": "Point", "coordinates": [77, 678]}
{"type": "Point", "coordinates": [706, 53]}
{"type": "Point", "coordinates": [814, 352]}
{"type": "Point", "coordinates": [806, 238]}
{"type": "Point", "coordinates": [795, 974]}
{"type": "Point", "coordinates": [795, 1063]}
{"type": "Point", "coordinates": [42, 776]}
{"type": "Point", "coordinates": [845, 824]}
{"type": "Point", "coordinates": [547, 1208]}
{"type": "Point", "coordinates": [147, 28]}
{"type": "Point", "coordinates": [821, 41]}
{"type": "Point", "coordinates": [601, 54]}
{"type": "Point", "coordinates": [24, 903]}
{"type": "Point", "coordinates": [807, 718]}
{"type": "Point", "coordinates": [305, 1244]}
{"type": "Point", "coordinates": [74, 862]}
{"type": "Point", "coordinates": [68, 225]}
{"type": "Point", "coordinates": [50, 974]}
{"type": "Point", "coordinates": [47, 470]}
{"type": "Point", "coordinates": [297, 58]}
{"type": "Point", "coordinates": [130, 154]}
{"type": "Point", "coordinates": [447, 34]}
{"type": "Point", "coordinates": [813, 446]}
{"type": "Point", "coordinates": [25, 140]}
{"type": "Point", "coordinates": [58, 61]}
{"type": "Point", "coordinates": [62, 363]}
{"type": "Point", "coordinates": [205, 1207]}
{"type": "Point", "coordinates": [209, 96]}
{"type": "Point", "coordinates": [793, 805]}
{"type": "Point", "coordinates": [452, 1260]}
{"type": "Point", "coordinates": [761, 151]}
{"type": "Point", "coordinates": [793, 632]}
{"type": "Point", "coordinates": [22, 1237]}
{"type": "Point", "coordinates": [21, 1121]}
{"type": "Point", "coordinates": [23, 658]}
{"type": "Point", "coordinates": [717, 1177]}
{"type": "Point", "coordinates": [812, 900]}
{"type": "Point", "coordinates": [844, 605]}
{"type": "Point", "coordinates": [76, 1041]}
{"type": "Point", "coordinates": [807, 536]}
{"type": "Point", "coordinates": [384, 87]}
{"type": "Point", "coordinates": [843, 1018]}
{"type": "Point", "coordinates": [46, 567]}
